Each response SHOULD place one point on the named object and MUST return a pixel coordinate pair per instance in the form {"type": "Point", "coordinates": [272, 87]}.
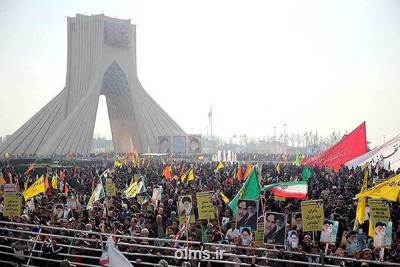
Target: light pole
{"type": "Point", "coordinates": [274, 139]}
{"type": "Point", "coordinates": [284, 136]}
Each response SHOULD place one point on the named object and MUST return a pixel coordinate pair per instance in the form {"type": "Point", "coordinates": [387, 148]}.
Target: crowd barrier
{"type": "Point", "coordinates": [34, 251]}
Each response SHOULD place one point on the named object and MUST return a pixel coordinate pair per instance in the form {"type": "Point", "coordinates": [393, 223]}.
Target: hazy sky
{"type": "Point", "coordinates": [315, 65]}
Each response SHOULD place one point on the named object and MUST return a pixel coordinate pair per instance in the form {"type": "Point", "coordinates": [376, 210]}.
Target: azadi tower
{"type": "Point", "coordinates": [101, 61]}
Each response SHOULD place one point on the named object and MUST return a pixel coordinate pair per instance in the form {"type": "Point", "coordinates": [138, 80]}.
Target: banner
{"type": "Point", "coordinates": [350, 147]}
{"type": "Point", "coordinates": [312, 213]}
{"type": "Point", "coordinates": [179, 144]}
{"type": "Point", "coordinates": [247, 214]}
{"type": "Point", "coordinates": [384, 156]}
{"type": "Point", "coordinates": [329, 232]}
{"type": "Point", "coordinates": [111, 189]}
{"type": "Point", "coordinates": [205, 206]}
{"type": "Point", "coordinates": [12, 204]}
{"type": "Point", "coordinates": [275, 229]}
{"type": "Point", "coordinates": [164, 144]}
{"type": "Point", "coordinates": [194, 143]}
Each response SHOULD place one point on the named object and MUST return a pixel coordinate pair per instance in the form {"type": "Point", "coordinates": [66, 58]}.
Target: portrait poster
{"type": "Point", "coordinates": [185, 208]}
{"type": "Point", "coordinates": [312, 213]}
{"type": "Point", "coordinates": [296, 221]}
{"type": "Point", "coordinates": [71, 203]}
{"type": "Point", "coordinates": [164, 144]}
{"type": "Point", "coordinates": [293, 239]}
{"type": "Point", "coordinates": [157, 192]}
{"type": "Point", "coordinates": [246, 235]}
{"type": "Point", "coordinates": [329, 231]}
{"type": "Point", "coordinates": [379, 211]}
{"type": "Point", "coordinates": [179, 144]}
{"type": "Point", "coordinates": [353, 241]}
{"type": "Point", "coordinates": [247, 214]}
{"type": "Point", "coordinates": [205, 206]}
{"type": "Point", "coordinates": [194, 144]}
{"type": "Point", "coordinates": [275, 229]}
{"type": "Point", "coordinates": [58, 211]}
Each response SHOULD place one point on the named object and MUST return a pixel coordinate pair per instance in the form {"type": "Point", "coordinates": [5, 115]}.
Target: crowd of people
{"type": "Point", "coordinates": [139, 216]}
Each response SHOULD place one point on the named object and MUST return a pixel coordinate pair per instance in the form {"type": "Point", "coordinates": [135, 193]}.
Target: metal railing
{"type": "Point", "coordinates": [257, 257]}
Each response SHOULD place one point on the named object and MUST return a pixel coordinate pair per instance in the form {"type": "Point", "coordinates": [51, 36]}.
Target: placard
{"type": "Point", "coordinates": [205, 206]}
{"type": "Point", "coordinates": [12, 204]}
{"type": "Point", "coordinates": [259, 235]}
{"type": "Point", "coordinates": [157, 192]}
{"type": "Point", "coordinates": [380, 221]}
{"type": "Point", "coordinates": [312, 213]}
{"type": "Point", "coordinates": [71, 203]}
{"type": "Point", "coordinates": [9, 188]}
{"type": "Point", "coordinates": [111, 189]}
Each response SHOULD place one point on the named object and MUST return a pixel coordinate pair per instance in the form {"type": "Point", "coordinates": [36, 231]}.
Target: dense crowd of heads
{"type": "Point", "coordinates": [140, 217]}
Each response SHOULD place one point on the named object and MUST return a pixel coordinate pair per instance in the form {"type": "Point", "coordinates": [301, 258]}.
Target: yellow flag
{"type": "Point", "coordinates": [117, 164]}
{"type": "Point", "coordinates": [91, 200]}
{"type": "Point", "coordinates": [183, 177]}
{"type": "Point", "coordinates": [35, 189]}
{"type": "Point", "coordinates": [54, 182]}
{"type": "Point", "coordinates": [132, 190]}
{"type": "Point", "coordinates": [220, 166]}
{"type": "Point", "coordinates": [388, 190]}
{"type": "Point", "coordinates": [360, 211]}
{"type": "Point", "coordinates": [224, 198]}
{"type": "Point", "coordinates": [190, 176]}
{"type": "Point", "coordinates": [278, 168]}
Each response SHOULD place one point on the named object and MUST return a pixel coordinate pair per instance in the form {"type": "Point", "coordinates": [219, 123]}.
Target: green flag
{"type": "Point", "coordinates": [297, 161]}
{"type": "Point", "coordinates": [306, 174]}
{"type": "Point", "coordinates": [249, 190]}
{"type": "Point", "coordinates": [204, 237]}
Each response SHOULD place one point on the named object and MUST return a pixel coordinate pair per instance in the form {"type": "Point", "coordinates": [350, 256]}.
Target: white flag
{"type": "Point", "coordinates": [115, 257]}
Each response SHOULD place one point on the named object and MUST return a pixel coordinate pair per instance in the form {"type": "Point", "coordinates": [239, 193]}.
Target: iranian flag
{"type": "Point", "coordinates": [297, 189]}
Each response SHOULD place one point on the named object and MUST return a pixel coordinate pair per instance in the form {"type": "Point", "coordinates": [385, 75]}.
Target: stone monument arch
{"type": "Point", "coordinates": [101, 60]}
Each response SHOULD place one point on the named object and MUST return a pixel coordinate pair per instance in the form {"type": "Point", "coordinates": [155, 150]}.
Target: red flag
{"type": "Point", "coordinates": [31, 167]}
{"type": "Point", "coordinates": [167, 173]}
{"type": "Point", "coordinates": [248, 171]}
{"type": "Point", "coordinates": [47, 185]}
{"type": "Point", "coordinates": [66, 189]}
{"type": "Point", "coordinates": [239, 173]}
{"type": "Point", "coordinates": [75, 171]}
{"type": "Point", "coordinates": [2, 181]}
{"type": "Point", "coordinates": [351, 146]}
{"type": "Point", "coordinates": [62, 176]}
